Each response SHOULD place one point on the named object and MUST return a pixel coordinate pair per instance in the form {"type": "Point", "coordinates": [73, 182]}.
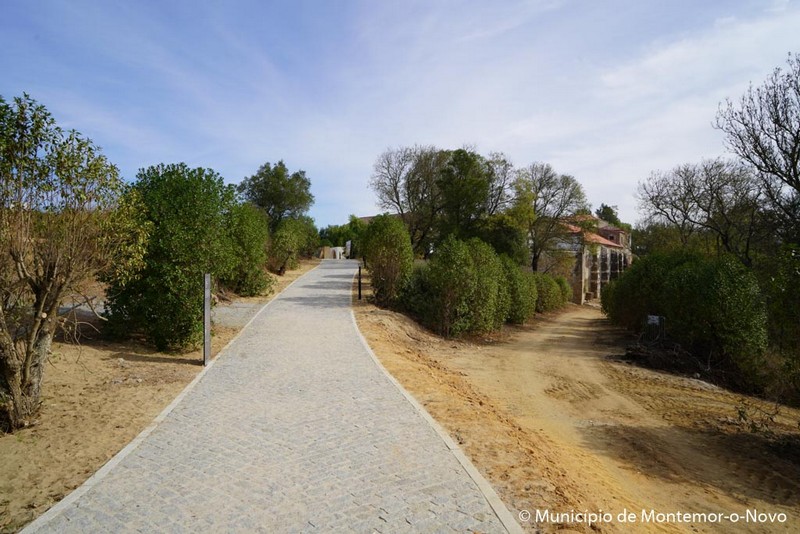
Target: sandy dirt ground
{"type": "Point", "coordinates": [97, 396]}
{"type": "Point", "coordinates": [556, 423]}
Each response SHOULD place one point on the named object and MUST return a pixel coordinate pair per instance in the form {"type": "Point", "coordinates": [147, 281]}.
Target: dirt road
{"type": "Point", "coordinates": [558, 426]}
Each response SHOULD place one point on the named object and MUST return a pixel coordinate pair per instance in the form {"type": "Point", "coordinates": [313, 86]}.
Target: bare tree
{"type": "Point", "coordinates": [56, 192]}
{"type": "Point", "coordinates": [763, 129]}
{"type": "Point", "coordinates": [501, 174]}
{"type": "Point", "coordinates": [544, 199]}
{"type": "Point", "coordinates": [405, 181]}
{"type": "Point", "coordinates": [716, 197]}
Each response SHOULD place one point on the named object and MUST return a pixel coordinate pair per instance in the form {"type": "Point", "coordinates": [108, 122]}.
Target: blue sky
{"type": "Point", "coordinates": [607, 91]}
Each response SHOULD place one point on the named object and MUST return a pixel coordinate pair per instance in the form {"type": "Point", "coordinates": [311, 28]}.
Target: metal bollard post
{"type": "Point", "coordinates": [207, 319]}
{"type": "Point", "coordinates": [359, 282]}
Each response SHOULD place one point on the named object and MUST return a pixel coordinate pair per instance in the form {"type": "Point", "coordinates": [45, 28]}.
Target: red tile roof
{"type": "Point", "coordinates": [591, 237]}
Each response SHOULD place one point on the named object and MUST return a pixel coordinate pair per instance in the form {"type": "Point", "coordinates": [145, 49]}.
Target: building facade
{"type": "Point", "coordinates": [590, 259]}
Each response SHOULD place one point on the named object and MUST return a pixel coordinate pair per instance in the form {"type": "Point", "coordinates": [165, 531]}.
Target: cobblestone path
{"type": "Point", "coordinates": [294, 428]}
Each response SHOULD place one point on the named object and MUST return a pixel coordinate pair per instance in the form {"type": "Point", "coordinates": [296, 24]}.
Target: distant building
{"type": "Point", "coordinates": [589, 259]}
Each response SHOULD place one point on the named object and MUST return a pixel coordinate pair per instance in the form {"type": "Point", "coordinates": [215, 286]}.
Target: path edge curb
{"type": "Point", "coordinates": [496, 504]}
{"type": "Point", "coordinates": [132, 445]}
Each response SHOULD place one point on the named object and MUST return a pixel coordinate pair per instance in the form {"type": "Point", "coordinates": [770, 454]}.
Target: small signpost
{"type": "Point", "coordinates": [207, 319]}
{"type": "Point", "coordinates": [359, 282]}
{"type": "Point", "coordinates": [653, 329]}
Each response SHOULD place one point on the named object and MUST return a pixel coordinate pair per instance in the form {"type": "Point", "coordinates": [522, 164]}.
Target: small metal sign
{"type": "Point", "coordinates": [654, 319]}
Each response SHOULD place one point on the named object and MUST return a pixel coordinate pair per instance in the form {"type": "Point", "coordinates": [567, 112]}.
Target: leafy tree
{"type": "Point", "coordinates": [441, 192]}
{"type": "Point", "coordinates": [59, 214]}
{"type": "Point", "coordinates": [188, 210]}
{"type": "Point", "coordinates": [762, 129]}
{"type": "Point", "coordinates": [465, 186]}
{"type": "Point", "coordinates": [650, 237]}
{"type": "Point", "coordinates": [280, 194]}
{"type": "Point", "coordinates": [309, 240]}
{"type": "Point", "coordinates": [333, 235]}
{"type": "Point", "coordinates": [543, 199]}
{"type": "Point", "coordinates": [388, 247]}
{"type": "Point", "coordinates": [505, 235]}
{"type": "Point", "coordinates": [294, 238]}
{"type": "Point", "coordinates": [608, 214]}
{"type": "Point", "coordinates": [356, 229]}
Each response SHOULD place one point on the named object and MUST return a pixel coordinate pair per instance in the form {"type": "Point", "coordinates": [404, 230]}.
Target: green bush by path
{"type": "Point", "coordinates": [522, 291]}
{"type": "Point", "coordinates": [490, 300]}
{"type": "Point", "coordinates": [549, 295]}
{"type": "Point", "coordinates": [164, 300]}
{"type": "Point", "coordinates": [452, 283]}
{"type": "Point", "coordinates": [640, 291]}
{"type": "Point", "coordinates": [248, 231]}
{"type": "Point", "coordinates": [713, 308]}
{"type": "Point", "coordinates": [390, 257]}
{"type": "Point", "coordinates": [566, 289]}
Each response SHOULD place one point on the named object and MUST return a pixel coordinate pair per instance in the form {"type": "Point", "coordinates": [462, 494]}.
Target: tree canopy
{"type": "Point", "coordinates": [280, 194]}
{"type": "Point", "coordinates": [59, 218]}
{"type": "Point", "coordinates": [543, 200]}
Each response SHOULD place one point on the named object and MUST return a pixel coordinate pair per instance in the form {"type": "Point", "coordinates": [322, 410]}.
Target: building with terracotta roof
{"type": "Point", "coordinates": [591, 253]}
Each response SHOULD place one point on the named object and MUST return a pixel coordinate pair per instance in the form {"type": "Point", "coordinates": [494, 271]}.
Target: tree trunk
{"type": "Point", "coordinates": [20, 391]}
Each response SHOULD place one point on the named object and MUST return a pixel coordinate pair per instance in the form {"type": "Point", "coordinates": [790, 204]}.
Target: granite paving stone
{"type": "Point", "coordinates": [294, 428]}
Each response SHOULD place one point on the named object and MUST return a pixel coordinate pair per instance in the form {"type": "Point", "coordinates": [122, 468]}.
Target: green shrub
{"type": "Point", "coordinates": [452, 281]}
{"type": "Point", "coordinates": [490, 300]}
{"type": "Point", "coordinates": [713, 309]}
{"type": "Point", "coordinates": [308, 235]}
{"type": "Point", "coordinates": [164, 300]}
{"type": "Point", "coordinates": [285, 246]}
{"type": "Point", "coordinates": [248, 231]}
{"type": "Point", "coordinates": [521, 291]}
{"type": "Point", "coordinates": [549, 296]}
{"type": "Point", "coordinates": [608, 298]}
{"type": "Point", "coordinates": [640, 292]}
{"type": "Point", "coordinates": [566, 289]}
{"type": "Point", "coordinates": [416, 297]}
{"type": "Point", "coordinates": [503, 307]}
{"type": "Point", "coordinates": [780, 283]}
{"type": "Point", "coordinates": [390, 257]}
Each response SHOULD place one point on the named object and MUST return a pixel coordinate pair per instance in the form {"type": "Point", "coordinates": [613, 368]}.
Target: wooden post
{"type": "Point", "coordinates": [207, 319]}
{"type": "Point", "coordinates": [359, 282]}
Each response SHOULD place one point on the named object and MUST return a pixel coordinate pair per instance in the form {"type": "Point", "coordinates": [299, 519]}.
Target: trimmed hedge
{"type": "Point", "coordinates": [522, 291]}
{"type": "Point", "coordinates": [549, 295]}
{"type": "Point", "coordinates": [566, 289]}
{"type": "Point", "coordinates": [490, 300]}
{"type": "Point", "coordinates": [390, 257]}
{"type": "Point", "coordinates": [713, 308]}
{"type": "Point", "coordinates": [467, 288]}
